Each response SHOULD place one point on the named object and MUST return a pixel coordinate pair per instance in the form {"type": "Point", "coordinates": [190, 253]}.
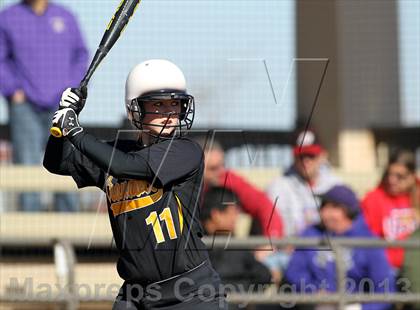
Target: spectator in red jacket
{"type": "Point", "coordinates": [253, 201]}
{"type": "Point", "coordinates": [389, 208]}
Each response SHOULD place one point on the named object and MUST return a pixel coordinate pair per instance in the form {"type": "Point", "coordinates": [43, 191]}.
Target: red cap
{"type": "Point", "coordinates": [307, 143]}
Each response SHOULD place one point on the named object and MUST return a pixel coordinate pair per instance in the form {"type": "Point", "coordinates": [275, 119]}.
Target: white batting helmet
{"type": "Point", "coordinates": [157, 79]}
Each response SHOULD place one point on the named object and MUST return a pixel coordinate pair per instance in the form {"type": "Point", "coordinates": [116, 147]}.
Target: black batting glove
{"type": "Point", "coordinates": [74, 98]}
{"type": "Point", "coordinates": [66, 119]}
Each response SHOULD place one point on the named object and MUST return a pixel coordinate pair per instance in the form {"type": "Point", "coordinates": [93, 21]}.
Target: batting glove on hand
{"type": "Point", "coordinates": [74, 98]}
{"type": "Point", "coordinates": [66, 119]}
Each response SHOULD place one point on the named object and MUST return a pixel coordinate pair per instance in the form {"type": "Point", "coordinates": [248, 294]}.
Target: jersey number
{"type": "Point", "coordinates": [165, 216]}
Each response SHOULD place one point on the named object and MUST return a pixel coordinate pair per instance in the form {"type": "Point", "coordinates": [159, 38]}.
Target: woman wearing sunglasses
{"type": "Point", "coordinates": [390, 209]}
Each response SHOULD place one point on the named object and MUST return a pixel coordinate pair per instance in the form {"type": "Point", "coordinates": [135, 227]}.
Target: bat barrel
{"type": "Point", "coordinates": [111, 35]}
{"type": "Point", "coordinates": [118, 22]}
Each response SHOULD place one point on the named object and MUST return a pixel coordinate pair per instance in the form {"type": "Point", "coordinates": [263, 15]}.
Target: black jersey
{"type": "Point", "coordinates": [152, 195]}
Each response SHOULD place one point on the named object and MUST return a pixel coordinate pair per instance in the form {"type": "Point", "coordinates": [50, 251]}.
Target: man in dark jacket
{"type": "Point", "coordinates": [367, 269]}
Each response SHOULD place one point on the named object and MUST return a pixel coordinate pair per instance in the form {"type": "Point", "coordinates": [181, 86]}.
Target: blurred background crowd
{"type": "Point", "coordinates": [335, 154]}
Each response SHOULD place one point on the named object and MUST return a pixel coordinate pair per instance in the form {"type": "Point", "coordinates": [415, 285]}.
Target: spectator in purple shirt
{"type": "Point", "coordinates": [367, 269]}
{"type": "Point", "coordinates": [41, 52]}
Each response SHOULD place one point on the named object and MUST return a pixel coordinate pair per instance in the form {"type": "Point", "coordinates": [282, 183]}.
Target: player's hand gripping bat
{"type": "Point", "coordinates": [113, 31]}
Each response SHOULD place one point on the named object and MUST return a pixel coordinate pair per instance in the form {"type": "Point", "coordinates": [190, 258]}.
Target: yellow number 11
{"type": "Point", "coordinates": [166, 216]}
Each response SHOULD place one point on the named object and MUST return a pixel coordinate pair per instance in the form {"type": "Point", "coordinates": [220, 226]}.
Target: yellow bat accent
{"type": "Point", "coordinates": [113, 17]}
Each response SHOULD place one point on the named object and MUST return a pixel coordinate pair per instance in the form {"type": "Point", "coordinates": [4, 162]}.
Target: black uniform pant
{"type": "Point", "coordinates": [198, 288]}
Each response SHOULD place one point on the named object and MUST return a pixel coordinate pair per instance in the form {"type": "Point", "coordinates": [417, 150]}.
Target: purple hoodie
{"type": "Point", "coordinates": [311, 271]}
{"type": "Point", "coordinates": [40, 54]}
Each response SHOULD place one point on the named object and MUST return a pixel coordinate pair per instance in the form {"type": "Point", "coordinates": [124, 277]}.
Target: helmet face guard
{"type": "Point", "coordinates": [136, 109]}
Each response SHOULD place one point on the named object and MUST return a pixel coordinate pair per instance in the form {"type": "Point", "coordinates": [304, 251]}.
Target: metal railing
{"type": "Point", "coordinates": [64, 253]}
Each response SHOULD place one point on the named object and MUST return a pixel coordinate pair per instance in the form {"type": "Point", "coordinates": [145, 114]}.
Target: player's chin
{"type": "Point", "coordinates": [167, 132]}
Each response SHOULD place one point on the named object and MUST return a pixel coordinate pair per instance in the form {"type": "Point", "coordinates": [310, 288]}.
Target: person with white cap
{"type": "Point", "coordinates": [294, 193]}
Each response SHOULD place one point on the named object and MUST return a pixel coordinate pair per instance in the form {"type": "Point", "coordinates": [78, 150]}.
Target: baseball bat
{"type": "Point", "coordinates": [113, 31]}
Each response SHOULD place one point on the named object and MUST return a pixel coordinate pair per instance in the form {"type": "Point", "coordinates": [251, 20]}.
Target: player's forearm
{"type": "Point", "coordinates": [110, 159]}
{"type": "Point", "coordinates": [56, 155]}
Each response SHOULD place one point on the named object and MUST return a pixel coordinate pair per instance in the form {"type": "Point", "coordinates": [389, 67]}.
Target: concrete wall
{"type": "Point", "coordinates": [361, 87]}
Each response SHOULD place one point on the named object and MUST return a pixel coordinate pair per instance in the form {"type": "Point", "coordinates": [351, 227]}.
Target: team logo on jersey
{"type": "Point", "coordinates": [323, 258]}
{"type": "Point", "coordinates": [130, 195]}
{"type": "Point", "coordinates": [57, 24]}
{"type": "Point", "coordinates": [399, 224]}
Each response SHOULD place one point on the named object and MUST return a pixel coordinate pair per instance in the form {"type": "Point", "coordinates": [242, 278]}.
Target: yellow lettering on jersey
{"type": "Point", "coordinates": [128, 189]}
{"type": "Point", "coordinates": [136, 203]}
{"type": "Point", "coordinates": [166, 216]}
{"type": "Point", "coordinates": [131, 195]}
{"type": "Point", "coordinates": [152, 219]}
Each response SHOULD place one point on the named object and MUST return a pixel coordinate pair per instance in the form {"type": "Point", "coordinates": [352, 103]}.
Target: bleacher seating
{"type": "Point", "coordinates": [90, 225]}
